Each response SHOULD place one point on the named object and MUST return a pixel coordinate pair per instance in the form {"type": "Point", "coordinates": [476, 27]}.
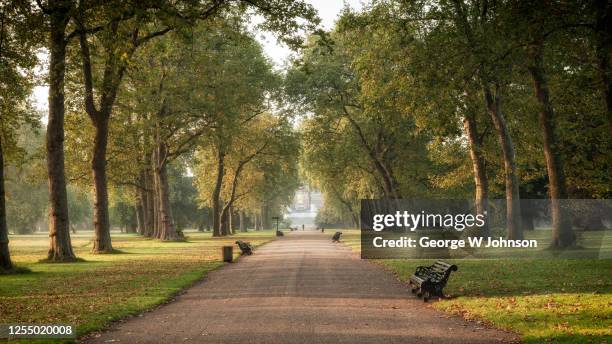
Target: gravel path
{"type": "Point", "coordinates": [299, 289]}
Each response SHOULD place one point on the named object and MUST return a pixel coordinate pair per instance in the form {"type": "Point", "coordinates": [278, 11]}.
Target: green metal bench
{"type": "Point", "coordinates": [428, 281]}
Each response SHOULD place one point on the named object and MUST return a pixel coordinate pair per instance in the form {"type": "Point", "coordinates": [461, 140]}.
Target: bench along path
{"type": "Point", "coordinates": [299, 289]}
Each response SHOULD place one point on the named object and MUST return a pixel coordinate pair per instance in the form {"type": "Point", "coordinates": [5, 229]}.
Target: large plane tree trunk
{"type": "Point", "coordinates": [101, 219]}
{"type": "Point", "coordinates": [216, 201]}
{"type": "Point", "coordinates": [227, 213]}
{"type": "Point", "coordinates": [265, 216]}
{"type": "Point", "coordinates": [226, 220]}
{"type": "Point", "coordinates": [147, 189]}
{"type": "Point", "coordinates": [150, 204]}
{"type": "Point", "coordinates": [167, 231]}
{"type": "Point", "coordinates": [114, 69]}
{"type": "Point", "coordinates": [492, 94]}
{"type": "Point", "coordinates": [140, 210]}
{"type": "Point", "coordinates": [142, 204]}
{"type": "Point", "coordinates": [256, 221]}
{"type": "Point", "coordinates": [513, 203]}
{"type": "Point", "coordinates": [5, 257]}
{"type": "Point", "coordinates": [562, 233]}
{"type": "Point", "coordinates": [139, 217]}
{"type": "Point", "coordinates": [156, 202]}
{"type": "Point", "coordinates": [60, 246]}
{"type": "Point", "coordinates": [481, 185]}
{"type": "Point", "coordinates": [100, 118]}
{"type": "Point", "coordinates": [230, 220]}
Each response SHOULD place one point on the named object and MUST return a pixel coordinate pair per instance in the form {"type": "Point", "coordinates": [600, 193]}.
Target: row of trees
{"type": "Point", "coordinates": [452, 98]}
{"type": "Point", "coordinates": [127, 97]}
{"type": "Point", "coordinates": [201, 99]}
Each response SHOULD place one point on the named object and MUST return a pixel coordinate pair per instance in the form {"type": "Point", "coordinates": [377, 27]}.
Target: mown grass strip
{"type": "Point", "coordinates": [104, 288]}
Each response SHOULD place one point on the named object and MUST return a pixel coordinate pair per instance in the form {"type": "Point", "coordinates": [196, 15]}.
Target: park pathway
{"type": "Point", "coordinates": [299, 289]}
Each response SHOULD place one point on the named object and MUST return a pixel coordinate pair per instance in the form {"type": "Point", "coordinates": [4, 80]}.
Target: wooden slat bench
{"type": "Point", "coordinates": [245, 247]}
{"type": "Point", "coordinates": [428, 281]}
{"type": "Point", "coordinates": [336, 237]}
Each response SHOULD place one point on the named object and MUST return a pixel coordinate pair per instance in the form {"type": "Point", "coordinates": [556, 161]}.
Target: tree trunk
{"type": "Point", "coordinates": [513, 206]}
{"type": "Point", "coordinates": [354, 220]}
{"type": "Point", "coordinates": [225, 220]}
{"type": "Point", "coordinates": [265, 220]}
{"type": "Point", "coordinates": [141, 211]}
{"type": "Point", "coordinates": [150, 206]}
{"type": "Point", "coordinates": [5, 257]}
{"type": "Point", "coordinates": [147, 192]}
{"type": "Point", "coordinates": [230, 220]}
{"type": "Point", "coordinates": [100, 118]}
{"type": "Point", "coordinates": [562, 233]}
{"type": "Point", "coordinates": [60, 248]}
{"type": "Point", "coordinates": [478, 169]}
{"type": "Point", "coordinates": [167, 230]}
{"type": "Point", "coordinates": [390, 176]}
{"type": "Point", "coordinates": [256, 221]}
{"type": "Point", "coordinates": [147, 206]}
{"type": "Point", "coordinates": [241, 219]}
{"type": "Point", "coordinates": [102, 238]}
{"type": "Point", "coordinates": [155, 196]}
{"type": "Point", "coordinates": [388, 185]}
{"type": "Point", "coordinates": [158, 222]}
{"type": "Point", "coordinates": [216, 202]}
{"type": "Point", "coordinates": [133, 226]}
{"type": "Point", "coordinates": [493, 104]}
{"type": "Point", "coordinates": [139, 217]}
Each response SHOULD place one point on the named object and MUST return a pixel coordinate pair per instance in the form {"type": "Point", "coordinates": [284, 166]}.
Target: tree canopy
{"type": "Point", "coordinates": [165, 115]}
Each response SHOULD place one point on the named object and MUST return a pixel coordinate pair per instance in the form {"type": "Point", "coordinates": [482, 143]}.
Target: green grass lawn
{"type": "Point", "coordinates": [104, 288]}
{"type": "Point", "coordinates": [544, 300]}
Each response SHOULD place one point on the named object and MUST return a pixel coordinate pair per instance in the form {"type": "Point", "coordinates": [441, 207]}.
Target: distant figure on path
{"type": "Point", "coordinates": [302, 226]}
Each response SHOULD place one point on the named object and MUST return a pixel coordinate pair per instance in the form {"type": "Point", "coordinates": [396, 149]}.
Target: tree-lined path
{"type": "Point", "coordinates": [299, 289]}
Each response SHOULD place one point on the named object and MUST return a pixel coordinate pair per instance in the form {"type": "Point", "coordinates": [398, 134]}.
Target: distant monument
{"type": "Point", "coordinates": [306, 204]}
{"type": "Point", "coordinates": [301, 201]}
